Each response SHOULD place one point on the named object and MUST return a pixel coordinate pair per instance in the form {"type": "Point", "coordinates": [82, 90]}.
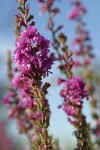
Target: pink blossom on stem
{"type": "Point", "coordinates": [60, 81]}
{"type": "Point", "coordinates": [74, 90]}
{"type": "Point", "coordinates": [72, 93]}
{"type": "Point", "coordinates": [76, 12]}
{"type": "Point", "coordinates": [69, 110]}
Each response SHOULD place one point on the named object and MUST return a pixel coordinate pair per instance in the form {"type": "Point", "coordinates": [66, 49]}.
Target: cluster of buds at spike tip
{"type": "Point", "coordinates": [23, 17]}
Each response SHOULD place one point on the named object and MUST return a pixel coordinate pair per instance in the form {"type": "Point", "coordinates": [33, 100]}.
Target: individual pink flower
{"type": "Point", "coordinates": [73, 14]}
{"type": "Point", "coordinates": [60, 81]}
{"type": "Point", "coordinates": [69, 110]}
{"type": "Point", "coordinates": [86, 62]}
{"type": "Point", "coordinates": [6, 99]}
{"type": "Point", "coordinates": [43, 8]}
{"type": "Point", "coordinates": [55, 10]}
{"type": "Point", "coordinates": [76, 12]}
{"type": "Point", "coordinates": [76, 41]}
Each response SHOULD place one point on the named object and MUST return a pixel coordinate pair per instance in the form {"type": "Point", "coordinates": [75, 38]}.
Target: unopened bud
{"type": "Point", "coordinates": [62, 38]}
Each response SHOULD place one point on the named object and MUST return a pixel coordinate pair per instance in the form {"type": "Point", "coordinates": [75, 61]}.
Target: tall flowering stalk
{"type": "Point", "coordinates": [73, 93]}
{"type": "Point", "coordinates": [74, 90]}
{"type": "Point", "coordinates": [20, 105]}
{"type": "Point", "coordinates": [83, 51]}
{"type": "Point", "coordinates": [19, 102]}
{"type": "Point", "coordinates": [33, 61]}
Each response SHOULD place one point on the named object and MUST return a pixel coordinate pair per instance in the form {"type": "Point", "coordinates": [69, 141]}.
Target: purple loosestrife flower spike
{"type": "Point", "coordinates": [83, 52]}
{"type": "Point", "coordinates": [34, 63]}
{"type": "Point", "coordinates": [73, 92]}
{"type": "Point", "coordinates": [31, 53]}
{"type": "Point", "coordinates": [33, 60]}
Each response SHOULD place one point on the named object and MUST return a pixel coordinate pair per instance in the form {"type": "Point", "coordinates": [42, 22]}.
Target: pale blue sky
{"type": "Point", "coordinates": [59, 125]}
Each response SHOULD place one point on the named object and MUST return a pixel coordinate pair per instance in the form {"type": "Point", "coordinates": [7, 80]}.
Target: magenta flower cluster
{"type": "Point", "coordinates": [72, 93]}
{"type": "Point", "coordinates": [21, 85]}
{"type": "Point", "coordinates": [77, 11]}
{"type": "Point", "coordinates": [47, 6]}
{"type": "Point", "coordinates": [31, 53]}
{"type": "Point", "coordinates": [21, 103]}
